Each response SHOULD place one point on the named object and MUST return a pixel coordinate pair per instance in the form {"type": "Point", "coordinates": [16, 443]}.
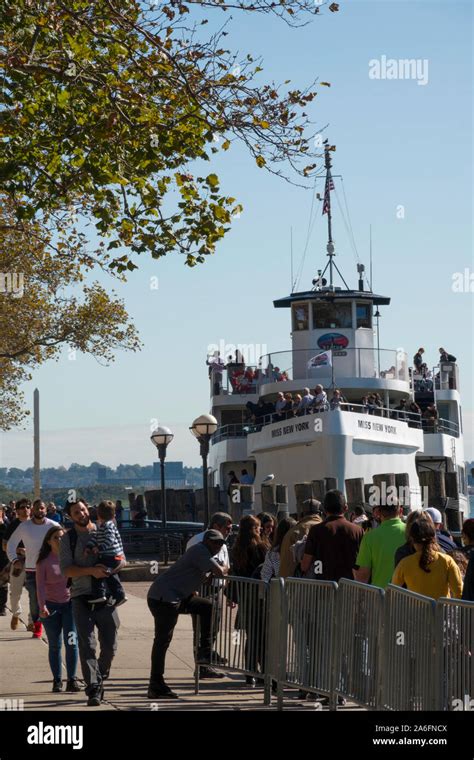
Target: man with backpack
{"type": "Point", "coordinates": [293, 544]}
{"type": "Point", "coordinates": [31, 533]}
{"type": "Point", "coordinates": [80, 568]}
{"type": "Point", "coordinates": [331, 548]}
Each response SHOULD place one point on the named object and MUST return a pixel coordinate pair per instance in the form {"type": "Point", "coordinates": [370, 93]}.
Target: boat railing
{"type": "Point", "coordinates": [240, 430]}
{"type": "Point", "coordinates": [236, 379]}
{"type": "Point", "coordinates": [314, 363]}
{"type": "Point", "coordinates": [236, 430]}
{"type": "Point", "coordinates": [413, 419]}
{"type": "Point", "coordinates": [440, 426]}
{"type": "Point", "coordinates": [444, 377]}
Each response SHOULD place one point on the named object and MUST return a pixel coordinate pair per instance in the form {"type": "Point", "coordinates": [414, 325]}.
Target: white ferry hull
{"type": "Point", "coordinates": [339, 445]}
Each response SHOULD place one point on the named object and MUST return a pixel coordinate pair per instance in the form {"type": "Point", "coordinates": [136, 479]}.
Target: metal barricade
{"type": "Point", "coordinates": [359, 643]}
{"type": "Point", "coordinates": [455, 650]}
{"type": "Point", "coordinates": [239, 626]}
{"type": "Point", "coordinates": [393, 650]}
{"type": "Point", "coordinates": [409, 680]}
{"type": "Point", "coordinates": [276, 631]}
{"type": "Point", "coordinates": [307, 620]}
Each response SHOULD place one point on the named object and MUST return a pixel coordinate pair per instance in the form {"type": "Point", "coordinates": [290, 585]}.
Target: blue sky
{"type": "Point", "coordinates": [399, 143]}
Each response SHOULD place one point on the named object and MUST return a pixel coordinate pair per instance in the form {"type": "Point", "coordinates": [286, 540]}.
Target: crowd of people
{"type": "Point", "coordinates": [246, 379]}
{"type": "Point", "coordinates": [374, 546]}
{"type": "Point", "coordinates": [72, 584]}
{"type": "Point", "coordinates": [289, 405]}
{"type": "Point", "coordinates": [242, 378]}
{"type": "Point", "coordinates": [73, 587]}
{"type": "Point", "coordinates": [423, 380]}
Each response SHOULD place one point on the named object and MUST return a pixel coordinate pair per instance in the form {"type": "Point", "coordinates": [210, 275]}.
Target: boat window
{"type": "Point", "coordinates": [364, 315]}
{"type": "Point", "coordinates": [300, 317]}
{"type": "Point", "coordinates": [330, 315]}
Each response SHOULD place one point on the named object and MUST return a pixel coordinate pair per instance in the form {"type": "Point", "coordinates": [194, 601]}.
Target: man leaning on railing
{"type": "Point", "coordinates": [175, 592]}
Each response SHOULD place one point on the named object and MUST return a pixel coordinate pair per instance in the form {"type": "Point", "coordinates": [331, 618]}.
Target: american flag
{"type": "Point", "coordinates": [329, 186]}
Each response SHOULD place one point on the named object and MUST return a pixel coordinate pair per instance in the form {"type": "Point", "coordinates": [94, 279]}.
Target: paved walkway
{"type": "Point", "coordinates": [25, 673]}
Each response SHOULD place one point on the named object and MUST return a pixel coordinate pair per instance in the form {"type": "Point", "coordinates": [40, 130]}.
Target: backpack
{"type": "Point", "coordinates": [297, 552]}
{"type": "Point", "coordinates": [72, 545]}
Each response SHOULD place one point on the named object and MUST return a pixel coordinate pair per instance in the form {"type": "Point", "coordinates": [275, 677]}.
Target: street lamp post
{"type": "Point", "coordinates": [161, 437]}
{"type": "Point", "coordinates": [202, 428]}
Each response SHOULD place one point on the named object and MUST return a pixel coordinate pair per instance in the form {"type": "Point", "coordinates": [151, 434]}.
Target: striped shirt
{"type": "Point", "coordinates": [107, 539]}
{"type": "Point", "coordinates": [271, 566]}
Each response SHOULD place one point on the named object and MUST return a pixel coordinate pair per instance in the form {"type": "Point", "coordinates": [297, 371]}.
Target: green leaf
{"type": "Point", "coordinates": [220, 213]}
{"type": "Point", "coordinates": [212, 180]}
{"type": "Point", "coordinates": [63, 98]}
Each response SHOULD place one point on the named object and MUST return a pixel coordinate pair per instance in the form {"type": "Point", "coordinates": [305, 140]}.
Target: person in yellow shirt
{"type": "Point", "coordinates": [428, 571]}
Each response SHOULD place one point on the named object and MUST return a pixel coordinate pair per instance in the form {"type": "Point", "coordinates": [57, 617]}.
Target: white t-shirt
{"type": "Point", "coordinates": [32, 536]}
{"type": "Point", "coordinates": [222, 555]}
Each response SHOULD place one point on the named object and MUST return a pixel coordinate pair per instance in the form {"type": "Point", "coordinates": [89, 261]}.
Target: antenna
{"type": "Point", "coordinates": [291, 257]}
{"type": "Point", "coordinates": [327, 210]}
{"type": "Point", "coordinates": [370, 250]}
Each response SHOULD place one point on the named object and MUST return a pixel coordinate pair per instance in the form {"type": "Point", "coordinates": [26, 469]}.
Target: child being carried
{"type": "Point", "coordinates": [106, 544]}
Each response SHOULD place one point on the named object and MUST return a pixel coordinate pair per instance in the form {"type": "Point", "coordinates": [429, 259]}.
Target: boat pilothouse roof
{"type": "Point", "coordinates": [331, 294]}
{"type": "Point", "coordinates": [365, 430]}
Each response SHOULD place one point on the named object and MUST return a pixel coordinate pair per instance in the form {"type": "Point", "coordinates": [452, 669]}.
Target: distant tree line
{"type": "Point", "coordinates": [80, 476]}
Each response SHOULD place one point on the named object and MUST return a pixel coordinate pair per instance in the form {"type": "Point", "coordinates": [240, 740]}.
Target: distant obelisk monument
{"type": "Point", "coordinates": [36, 439]}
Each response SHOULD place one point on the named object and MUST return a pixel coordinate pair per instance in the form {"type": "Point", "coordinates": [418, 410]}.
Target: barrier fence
{"type": "Point", "coordinates": [238, 627]}
{"type": "Point", "coordinates": [383, 650]}
{"type": "Point", "coordinates": [307, 618]}
{"type": "Point", "coordinates": [455, 647]}
{"type": "Point", "coordinates": [409, 681]}
{"type": "Point", "coordinates": [359, 648]}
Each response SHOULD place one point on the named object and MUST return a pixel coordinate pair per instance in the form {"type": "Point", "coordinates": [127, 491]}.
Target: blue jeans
{"type": "Point", "coordinates": [30, 585]}
{"type": "Point", "coordinates": [61, 620]}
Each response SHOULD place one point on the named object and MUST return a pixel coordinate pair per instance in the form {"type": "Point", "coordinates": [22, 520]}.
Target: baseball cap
{"type": "Point", "coordinates": [435, 514]}
{"type": "Point", "coordinates": [213, 535]}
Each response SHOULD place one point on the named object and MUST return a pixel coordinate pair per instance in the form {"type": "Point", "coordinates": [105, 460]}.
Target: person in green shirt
{"type": "Point", "coordinates": [376, 557]}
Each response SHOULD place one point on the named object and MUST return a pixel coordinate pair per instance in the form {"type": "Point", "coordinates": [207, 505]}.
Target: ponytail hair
{"type": "Point", "coordinates": [423, 532]}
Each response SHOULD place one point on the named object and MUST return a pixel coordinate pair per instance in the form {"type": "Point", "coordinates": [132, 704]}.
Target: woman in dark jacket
{"type": "Point", "coordinates": [248, 554]}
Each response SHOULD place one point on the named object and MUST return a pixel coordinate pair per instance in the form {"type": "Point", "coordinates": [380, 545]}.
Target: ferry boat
{"type": "Point", "coordinates": [335, 344]}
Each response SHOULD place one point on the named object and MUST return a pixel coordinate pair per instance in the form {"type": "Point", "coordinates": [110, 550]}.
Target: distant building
{"type": "Point", "coordinates": [174, 474]}
{"type": "Point", "coordinates": [101, 474]}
